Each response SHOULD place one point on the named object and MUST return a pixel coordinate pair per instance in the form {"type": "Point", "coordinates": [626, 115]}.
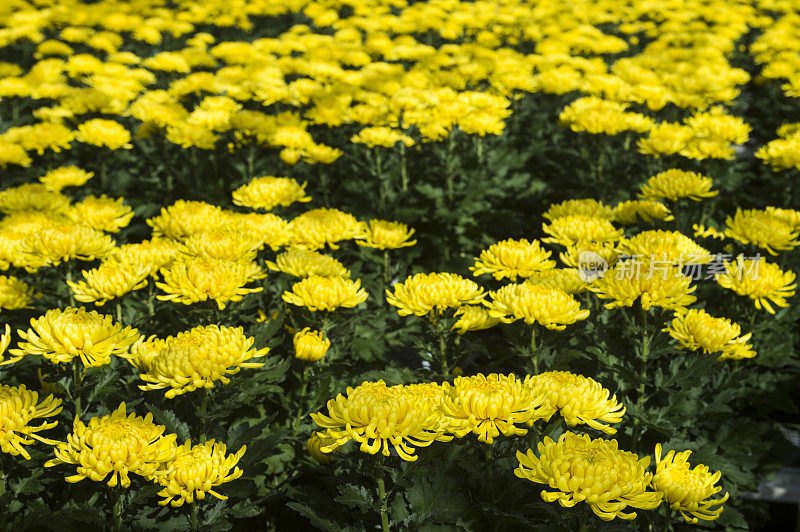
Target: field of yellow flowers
{"type": "Point", "coordinates": [401, 265]}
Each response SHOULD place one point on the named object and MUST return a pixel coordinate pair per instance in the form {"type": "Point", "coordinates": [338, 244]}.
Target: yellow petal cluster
{"type": "Point", "coordinates": [676, 184]}
{"type": "Point", "coordinates": [660, 247]}
{"type": "Point", "coordinates": [59, 243]}
{"type": "Point", "coordinates": [763, 229]}
{"type": "Point", "coordinates": [763, 282]}
{"type": "Point", "coordinates": [319, 227]}
{"type": "Point", "coordinates": [307, 263]}
{"type": "Point", "coordinates": [117, 444]}
{"type": "Point", "coordinates": [110, 280]}
{"type": "Point", "coordinates": [696, 329]}
{"type": "Point", "coordinates": [269, 192]}
{"type": "Point", "coordinates": [194, 359]}
{"type": "Point", "coordinates": [425, 293]}
{"type": "Point", "coordinates": [624, 284]}
{"type": "Point", "coordinates": [18, 407]}
{"type": "Point", "coordinates": [580, 469]}
{"type": "Point", "coordinates": [577, 229]}
{"type": "Point", "coordinates": [196, 279]}
{"type": "Point", "coordinates": [688, 490]}
{"type": "Point", "coordinates": [382, 234]}
{"type": "Point", "coordinates": [102, 213]}
{"type": "Point", "coordinates": [326, 293]}
{"type": "Point", "coordinates": [535, 303]}
{"type": "Point", "coordinates": [310, 346]}
{"type": "Point", "coordinates": [63, 335]}
{"type": "Point", "coordinates": [490, 405]}
{"type": "Point", "coordinates": [14, 294]}
{"type": "Point", "coordinates": [65, 176]}
{"type": "Point", "coordinates": [509, 259]}
{"type": "Point", "coordinates": [196, 470]}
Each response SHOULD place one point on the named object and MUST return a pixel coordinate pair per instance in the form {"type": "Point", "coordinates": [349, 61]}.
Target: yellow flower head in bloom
{"type": "Point", "coordinates": [14, 294]}
{"type": "Point", "coordinates": [696, 329]}
{"type": "Point", "coordinates": [184, 218]}
{"type": "Point", "coordinates": [577, 255]}
{"type": "Point", "coordinates": [310, 346]}
{"type": "Point", "coordinates": [32, 197]}
{"type": "Point", "coordinates": [66, 176]}
{"type": "Point", "coordinates": [577, 229]}
{"type": "Point", "coordinates": [326, 293]}
{"type": "Point", "coordinates": [18, 407]}
{"type": "Point", "coordinates": [490, 405]}
{"type": "Point", "coordinates": [269, 191]}
{"type": "Point", "coordinates": [196, 470]}
{"type": "Point", "coordinates": [565, 279]}
{"type": "Point", "coordinates": [381, 136]}
{"type": "Point", "coordinates": [152, 254]}
{"type": "Point", "coordinates": [269, 229]}
{"type": "Point", "coordinates": [583, 207]}
{"type": "Point", "coordinates": [688, 490]}
{"type": "Point", "coordinates": [195, 279]}
{"type": "Point", "coordinates": [788, 216]}
{"type": "Point", "coordinates": [473, 318]}
{"type": "Point", "coordinates": [305, 263]}
{"type": "Point", "coordinates": [110, 280]}
{"type": "Point", "coordinates": [63, 335]}
{"type": "Point", "coordinates": [376, 416]}
{"type": "Point", "coordinates": [579, 400]}
{"type": "Point", "coordinates": [551, 307]}
{"type": "Point", "coordinates": [762, 229]}
{"type": "Point", "coordinates": [117, 444]}
{"type": "Point", "coordinates": [763, 282]}
{"type": "Point", "coordinates": [629, 212]}
{"type": "Point", "coordinates": [675, 184]}
{"type": "Point", "coordinates": [381, 234]}
{"type": "Point", "coordinates": [425, 293]}
{"type": "Point", "coordinates": [662, 247]}
{"type": "Point", "coordinates": [194, 359]}
{"type": "Point", "coordinates": [626, 282]}
{"type": "Point", "coordinates": [102, 132]}
{"type": "Point", "coordinates": [13, 153]}
{"type": "Point", "coordinates": [596, 472]}
{"type": "Point", "coordinates": [53, 245]}
{"type": "Point", "coordinates": [316, 228]}
{"type": "Point", "coordinates": [224, 244]}
{"type": "Point", "coordinates": [511, 259]}
{"type": "Point", "coordinates": [103, 213]}
{"type": "Point", "coordinates": [315, 443]}
{"type": "Point", "coordinates": [5, 341]}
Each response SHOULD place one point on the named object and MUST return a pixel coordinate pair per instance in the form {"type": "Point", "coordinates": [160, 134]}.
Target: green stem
{"type": "Point", "coordinates": [68, 277]}
{"type": "Point", "coordinates": [119, 311]}
{"type": "Point", "coordinates": [441, 329]}
{"type": "Point", "coordinates": [301, 397]}
{"type": "Point", "coordinates": [481, 157]}
{"type": "Point", "coordinates": [3, 505]}
{"type": "Point", "coordinates": [534, 358]}
{"type": "Point", "coordinates": [403, 168]}
{"type": "Point", "coordinates": [384, 509]}
{"type": "Point", "coordinates": [203, 413]}
{"type": "Point", "coordinates": [488, 457]}
{"type": "Point", "coordinates": [640, 396]}
{"type": "Point", "coordinates": [77, 387]}
{"type": "Point", "coordinates": [118, 510]}
{"type": "Point", "coordinates": [194, 515]}
{"type": "Point", "coordinates": [387, 274]}
{"type": "Point", "coordinates": [150, 298]}
{"type": "Point", "coordinates": [381, 181]}
{"type": "Point", "coordinates": [450, 171]}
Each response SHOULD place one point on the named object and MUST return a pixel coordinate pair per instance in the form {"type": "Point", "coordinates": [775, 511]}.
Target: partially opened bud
{"type": "Point", "coordinates": [310, 345]}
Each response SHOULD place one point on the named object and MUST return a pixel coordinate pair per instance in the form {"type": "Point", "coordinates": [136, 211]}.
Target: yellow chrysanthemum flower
{"type": "Point", "coordinates": [577, 229]}
{"type": "Point", "coordinates": [117, 444]}
{"type": "Point", "coordinates": [18, 407]}
{"type": "Point", "coordinates": [625, 283]}
{"type": "Point", "coordinates": [5, 341]}
{"type": "Point", "coordinates": [326, 293]}
{"type": "Point", "coordinates": [316, 228]}
{"type": "Point", "coordinates": [490, 405]}
{"type": "Point", "coordinates": [195, 279]}
{"type": "Point", "coordinates": [580, 400]}
{"type": "Point", "coordinates": [53, 245]}
{"type": "Point", "coordinates": [696, 329]}
{"type": "Point", "coordinates": [184, 218]}
{"type": "Point", "coordinates": [583, 207]}
{"type": "Point", "coordinates": [14, 294]}
{"type": "Point", "coordinates": [661, 247]}
{"type": "Point", "coordinates": [473, 318]}
{"type": "Point", "coordinates": [511, 259]}
{"type": "Point", "coordinates": [66, 176]}
{"type": "Point", "coordinates": [629, 212]}
{"type": "Point", "coordinates": [425, 293]}
{"type": "Point", "coordinates": [110, 280]}
{"type": "Point", "coordinates": [675, 184]}
{"type": "Point", "coordinates": [306, 263]}
{"type": "Point", "coordinates": [385, 137]}
{"type": "Point", "coordinates": [102, 213]}
{"type": "Point", "coordinates": [596, 472]}
{"type": "Point", "coordinates": [63, 335]}
{"type": "Point", "coordinates": [152, 254]}
{"type": "Point", "coordinates": [687, 490]}
{"type": "Point", "coordinates": [196, 470]}
{"type": "Point", "coordinates": [194, 359]}
{"type": "Point", "coordinates": [32, 197]}
{"type": "Point", "coordinates": [269, 191]}
{"type": "Point", "coordinates": [376, 415]}
{"type": "Point", "coordinates": [102, 132]}
{"type": "Point", "coordinates": [310, 346]}
{"type": "Point", "coordinates": [761, 281]}
{"type": "Point", "coordinates": [535, 303]}
{"type": "Point", "coordinates": [381, 234]}
{"type": "Point", "coordinates": [224, 244]}
{"type": "Point", "coordinates": [788, 216]}
{"type": "Point", "coordinates": [269, 229]}
{"type": "Point", "coordinates": [565, 279]}
{"type": "Point", "coordinates": [314, 446]}
{"type": "Point", "coordinates": [762, 229]}
{"type": "Point", "coordinates": [576, 256]}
